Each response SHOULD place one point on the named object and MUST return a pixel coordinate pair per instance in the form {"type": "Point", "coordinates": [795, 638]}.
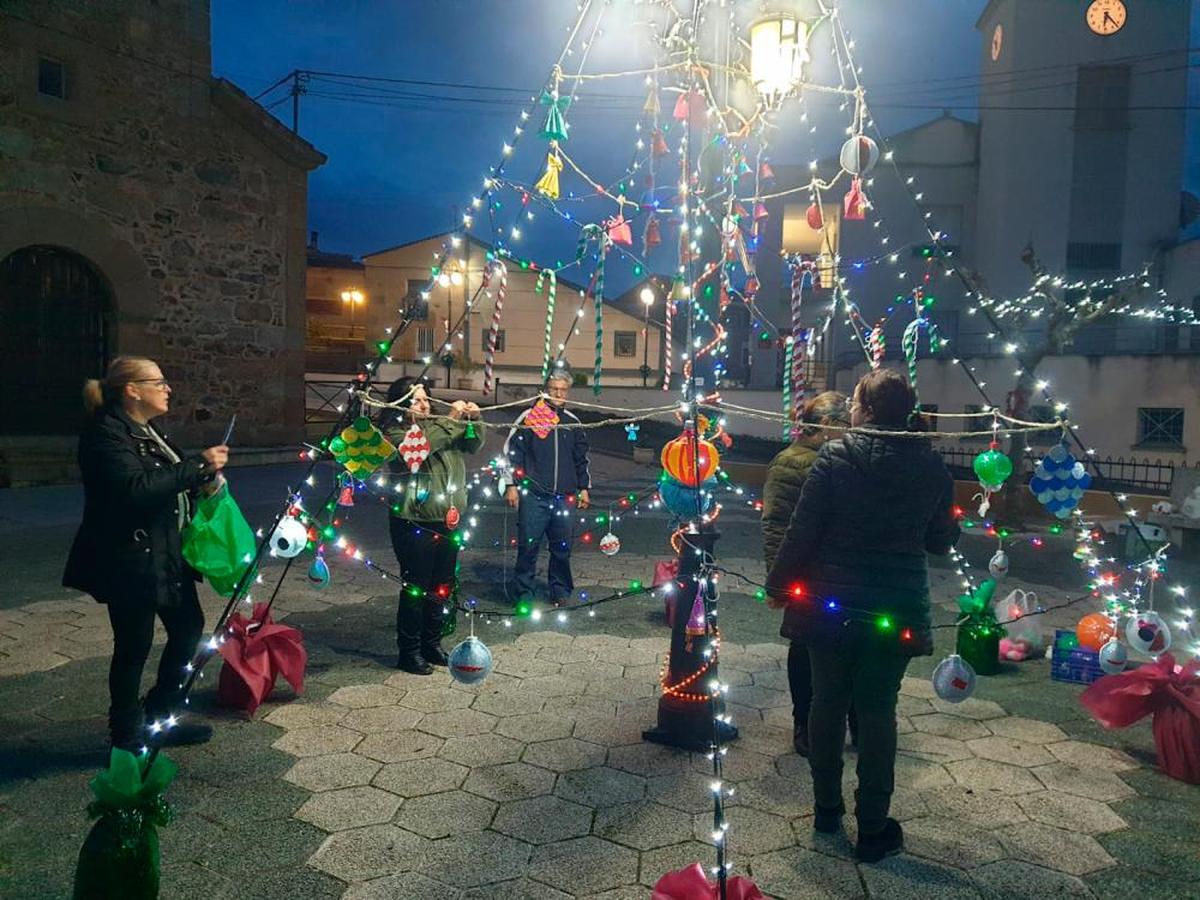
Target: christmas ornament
{"type": "Point", "coordinates": [541, 419]}
{"type": "Point", "coordinates": [765, 172]}
{"type": "Point", "coordinates": [1148, 633]}
{"type": "Point", "coordinates": [651, 107]}
{"type": "Point", "coordinates": [498, 270]}
{"type": "Point", "coordinates": [681, 500]}
{"type": "Point", "coordinates": [631, 432]}
{"type": "Point", "coordinates": [658, 144]}
{"type": "Point", "coordinates": [652, 236]}
{"type": "Point", "coordinates": [690, 460]}
{"type": "Point", "coordinates": [346, 495]}
{"type": "Point", "coordinates": [877, 344]}
{"type": "Point", "coordinates": [812, 215]}
{"type": "Point", "coordinates": [619, 231]}
{"type": "Point", "coordinates": [470, 662]}
{"type": "Point", "coordinates": [452, 517]}
{"type": "Point", "coordinates": [954, 679]}
{"type": "Point", "coordinates": [992, 468]}
{"type": "Point", "coordinates": [318, 572]}
{"type": "Point", "coordinates": [1059, 481]}
{"type": "Point", "coordinates": [551, 279]}
{"type": "Point", "coordinates": [1113, 657]}
{"type": "Point", "coordinates": [998, 564]}
{"type": "Point", "coordinates": [555, 126]}
{"type": "Point", "coordinates": [547, 185]}
{"type": "Point", "coordinates": [1094, 631]}
{"type": "Point", "coordinates": [361, 448]}
{"type": "Point", "coordinates": [414, 449]}
{"type": "Point", "coordinates": [859, 155]}
{"type": "Point", "coordinates": [854, 204]}
{"type": "Point", "coordinates": [697, 620]}
{"type": "Point", "coordinates": [760, 211]}
{"type": "Point", "coordinates": [690, 106]}
{"type": "Point", "coordinates": [610, 544]}
{"type": "Point", "coordinates": [289, 538]}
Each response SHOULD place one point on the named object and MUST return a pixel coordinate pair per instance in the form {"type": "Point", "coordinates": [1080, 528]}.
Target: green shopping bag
{"type": "Point", "coordinates": [218, 542]}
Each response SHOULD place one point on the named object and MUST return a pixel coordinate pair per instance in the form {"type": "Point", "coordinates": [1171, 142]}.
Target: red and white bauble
{"type": "Point", "coordinates": [1113, 657]}
{"type": "Point", "coordinates": [610, 544]}
{"type": "Point", "coordinates": [414, 449]}
{"type": "Point", "coordinates": [859, 155]}
{"type": "Point", "coordinates": [954, 679]}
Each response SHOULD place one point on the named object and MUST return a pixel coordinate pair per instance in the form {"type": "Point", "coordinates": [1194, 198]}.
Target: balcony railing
{"type": "Point", "coordinates": [1120, 475]}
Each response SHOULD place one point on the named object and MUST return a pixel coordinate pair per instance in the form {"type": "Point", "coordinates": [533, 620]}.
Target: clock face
{"type": "Point", "coordinates": [1106, 17]}
{"type": "Point", "coordinates": [997, 42]}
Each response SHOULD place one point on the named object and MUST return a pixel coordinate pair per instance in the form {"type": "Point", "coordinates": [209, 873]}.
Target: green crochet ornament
{"type": "Point", "coordinates": [555, 128]}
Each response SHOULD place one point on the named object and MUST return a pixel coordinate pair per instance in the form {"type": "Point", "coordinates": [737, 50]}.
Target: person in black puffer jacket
{"type": "Point", "coordinates": [852, 567]}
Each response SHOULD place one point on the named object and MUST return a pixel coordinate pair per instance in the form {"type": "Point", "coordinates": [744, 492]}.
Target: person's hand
{"type": "Point", "coordinates": [582, 499]}
{"type": "Point", "coordinates": [513, 496]}
{"type": "Point", "coordinates": [457, 409]}
{"type": "Point", "coordinates": [216, 457]}
{"type": "Point", "coordinates": [471, 410]}
{"type": "Point", "coordinates": [215, 485]}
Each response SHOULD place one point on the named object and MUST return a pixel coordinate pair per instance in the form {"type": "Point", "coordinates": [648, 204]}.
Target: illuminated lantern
{"type": "Point", "coordinates": [778, 52]}
{"type": "Point", "coordinates": [470, 662]}
{"type": "Point", "coordinates": [859, 155]}
{"type": "Point", "coordinates": [1094, 631]}
{"type": "Point", "coordinates": [954, 679]}
{"type": "Point", "coordinates": [1147, 632]}
{"type": "Point", "coordinates": [681, 456]}
{"type": "Point", "coordinates": [1113, 657]}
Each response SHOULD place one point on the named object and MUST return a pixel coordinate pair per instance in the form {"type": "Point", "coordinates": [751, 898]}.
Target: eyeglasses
{"type": "Point", "coordinates": [160, 383]}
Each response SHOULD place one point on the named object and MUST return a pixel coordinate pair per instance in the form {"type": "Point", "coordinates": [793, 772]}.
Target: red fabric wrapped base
{"type": "Point", "coordinates": [256, 652]}
{"type": "Point", "coordinates": [1169, 693]}
{"type": "Point", "coordinates": [692, 884]}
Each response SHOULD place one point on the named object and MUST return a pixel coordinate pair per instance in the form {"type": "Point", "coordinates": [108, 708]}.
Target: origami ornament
{"type": "Point", "coordinates": [610, 544]}
{"type": "Point", "coordinates": [1059, 481]}
{"type": "Point", "coordinates": [361, 448]}
{"type": "Point", "coordinates": [651, 107]}
{"type": "Point", "coordinates": [859, 155]}
{"type": "Point", "coordinates": [765, 172]}
{"type": "Point", "coordinates": [854, 204]}
{"type": "Point", "coordinates": [555, 127]}
{"type": "Point", "coordinates": [414, 449]}
{"type": "Point", "coordinates": [760, 211]}
{"type": "Point", "coordinates": [470, 662]}
{"type": "Point", "coordinates": [690, 460]}
{"type": "Point", "coordinates": [814, 217]}
{"type": "Point", "coordinates": [541, 419]}
{"type": "Point", "coordinates": [289, 538]}
{"type": "Point", "coordinates": [658, 144]}
{"type": "Point", "coordinates": [547, 185]}
{"type": "Point", "coordinates": [690, 106]}
{"type": "Point", "coordinates": [954, 679]}
{"type": "Point", "coordinates": [618, 230]}
{"type": "Point", "coordinates": [651, 237]}
{"type": "Point", "coordinates": [256, 652]}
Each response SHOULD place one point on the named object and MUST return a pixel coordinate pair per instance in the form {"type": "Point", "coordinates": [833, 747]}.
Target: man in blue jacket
{"type": "Point", "coordinates": [549, 465]}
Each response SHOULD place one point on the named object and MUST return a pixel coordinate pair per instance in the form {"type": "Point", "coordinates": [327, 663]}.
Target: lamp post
{"type": "Point", "coordinates": [778, 52]}
{"type": "Point", "coordinates": [353, 298]}
{"type": "Point", "coordinates": [452, 276]}
{"type": "Point", "coordinates": [647, 297]}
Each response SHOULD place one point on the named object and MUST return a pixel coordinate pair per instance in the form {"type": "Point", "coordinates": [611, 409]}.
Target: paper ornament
{"type": "Point", "coordinates": [289, 538]}
{"type": "Point", "coordinates": [687, 453]}
{"type": "Point", "coordinates": [651, 107]}
{"type": "Point", "coordinates": [813, 216]}
{"type": "Point", "coordinates": [765, 172]}
{"type": "Point", "coordinates": [1148, 633]}
{"type": "Point", "coordinates": [998, 564]}
{"type": "Point", "coordinates": [859, 155]}
{"type": "Point", "coordinates": [690, 105]}
{"type": "Point", "coordinates": [1113, 657]}
{"type": "Point", "coordinates": [414, 449]}
{"type": "Point", "coordinates": [318, 572]}
{"type": "Point", "coordinates": [361, 448]}
{"type": "Point", "coordinates": [631, 432]}
{"type": "Point", "coordinates": [470, 662]}
{"type": "Point", "coordinates": [346, 495]}
{"type": "Point", "coordinates": [610, 544]}
{"type": "Point", "coordinates": [854, 204]}
{"type": "Point", "coordinates": [618, 230]}
{"type": "Point", "coordinates": [658, 145]}
{"type": "Point", "coordinates": [541, 419]}
{"type": "Point", "coordinates": [954, 679]}
{"type": "Point", "coordinates": [555, 127]}
{"type": "Point", "coordinates": [760, 211]}
{"type": "Point", "coordinates": [652, 236]}
{"type": "Point", "coordinates": [547, 185]}
{"type": "Point", "coordinates": [1059, 481]}
{"type": "Point", "coordinates": [452, 517]}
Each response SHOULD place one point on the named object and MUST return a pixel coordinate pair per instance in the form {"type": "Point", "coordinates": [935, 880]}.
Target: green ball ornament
{"type": "Point", "coordinates": [992, 468]}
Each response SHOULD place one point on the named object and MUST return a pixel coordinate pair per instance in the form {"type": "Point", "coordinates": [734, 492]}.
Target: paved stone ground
{"type": "Point", "coordinates": [378, 784]}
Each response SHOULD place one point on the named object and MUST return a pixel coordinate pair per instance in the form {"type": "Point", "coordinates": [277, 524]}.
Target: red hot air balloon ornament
{"type": "Point", "coordinates": [681, 456]}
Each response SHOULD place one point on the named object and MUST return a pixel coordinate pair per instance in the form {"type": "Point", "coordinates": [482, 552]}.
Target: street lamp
{"type": "Point", "coordinates": [778, 52]}
{"type": "Point", "coordinates": [353, 298]}
{"type": "Point", "coordinates": [647, 297]}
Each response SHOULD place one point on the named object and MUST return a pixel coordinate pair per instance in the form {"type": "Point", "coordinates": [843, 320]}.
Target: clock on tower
{"type": "Point", "coordinates": [1106, 17]}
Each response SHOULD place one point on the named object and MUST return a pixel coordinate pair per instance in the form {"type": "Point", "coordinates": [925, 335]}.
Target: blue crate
{"type": "Point", "coordinates": [1075, 666]}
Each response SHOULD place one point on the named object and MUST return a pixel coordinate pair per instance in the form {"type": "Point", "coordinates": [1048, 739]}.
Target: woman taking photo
{"type": "Point", "coordinates": [138, 492]}
{"type": "Point", "coordinates": [785, 478]}
{"type": "Point", "coordinates": [852, 567]}
{"type": "Point", "coordinates": [424, 524]}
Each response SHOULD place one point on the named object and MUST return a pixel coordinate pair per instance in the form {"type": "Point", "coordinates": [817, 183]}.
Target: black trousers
{"type": "Point", "coordinates": [799, 672]}
{"type": "Point", "coordinates": [428, 558]}
{"type": "Point", "coordinates": [539, 515]}
{"type": "Point", "coordinates": [133, 634]}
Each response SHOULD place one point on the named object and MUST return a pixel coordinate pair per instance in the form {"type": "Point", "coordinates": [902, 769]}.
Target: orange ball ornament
{"type": "Point", "coordinates": [680, 458]}
{"type": "Point", "coordinates": [1094, 631]}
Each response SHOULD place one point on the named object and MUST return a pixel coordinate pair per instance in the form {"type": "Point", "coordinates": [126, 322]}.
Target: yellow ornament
{"type": "Point", "coordinates": [547, 185]}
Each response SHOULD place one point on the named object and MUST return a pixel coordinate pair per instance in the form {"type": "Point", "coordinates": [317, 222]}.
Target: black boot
{"type": "Point", "coordinates": [800, 739]}
{"type": "Point", "coordinates": [127, 731]}
{"type": "Point", "coordinates": [414, 664]}
{"type": "Point", "coordinates": [435, 655]}
{"type": "Point", "coordinates": [828, 821]}
{"type": "Point", "coordinates": [874, 847]}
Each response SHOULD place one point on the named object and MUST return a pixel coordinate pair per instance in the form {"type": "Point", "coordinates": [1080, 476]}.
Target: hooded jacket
{"type": "Point", "coordinates": [869, 511]}
{"type": "Point", "coordinates": [554, 464]}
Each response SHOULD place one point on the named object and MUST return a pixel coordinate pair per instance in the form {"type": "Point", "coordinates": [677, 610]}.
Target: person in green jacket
{"type": "Point", "coordinates": [424, 522]}
{"type": "Point", "coordinates": [785, 478]}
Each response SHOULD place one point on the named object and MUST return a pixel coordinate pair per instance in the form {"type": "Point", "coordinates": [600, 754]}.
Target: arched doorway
{"type": "Point", "coordinates": [57, 315]}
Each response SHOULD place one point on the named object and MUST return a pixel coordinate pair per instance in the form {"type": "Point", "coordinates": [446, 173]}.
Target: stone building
{"type": "Point", "coordinates": [336, 303]}
{"type": "Point", "coordinates": [148, 208]}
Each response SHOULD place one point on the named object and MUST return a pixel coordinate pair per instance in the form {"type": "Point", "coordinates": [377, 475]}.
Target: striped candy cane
{"type": "Point", "coordinates": [668, 347]}
{"type": "Point", "coordinates": [795, 372]}
{"type": "Point", "coordinates": [789, 350]}
{"type": "Point", "coordinates": [489, 358]}
{"type": "Point", "coordinates": [551, 278]}
{"type": "Point", "coordinates": [598, 304]}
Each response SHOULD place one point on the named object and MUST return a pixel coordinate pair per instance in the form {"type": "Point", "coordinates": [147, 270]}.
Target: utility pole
{"type": "Point", "coordinates": [299, 80]}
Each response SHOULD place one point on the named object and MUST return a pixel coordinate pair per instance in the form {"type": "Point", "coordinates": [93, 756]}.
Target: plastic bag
{"type": "Point", "coordinates": [218, 542]}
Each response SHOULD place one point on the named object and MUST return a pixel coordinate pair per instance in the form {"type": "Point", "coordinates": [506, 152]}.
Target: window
{"type": "Point", "coordinates": [424, 340]}
{"type": "Point", "coordinates": [1093, 257]}
{"type": "Point", "coordinates": [323, 306]}
{"type": "Point", "coordinates": [624, 343]}
{"type": "Point", "coordinates": [483, 340]}
{"type": "Point", "coordinates": [416, 306]}
{"type": "Point", "coordinates": [1102, 97]}
{"type": "Point", "coordinates": [980, 422]}
{"type": "Point", "coordinates": [52, 78]}
{"type": "Point", "coordinates": [1160, 426]}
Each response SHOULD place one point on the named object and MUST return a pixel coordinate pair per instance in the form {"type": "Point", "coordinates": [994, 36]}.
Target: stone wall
{"type": "Point", "coordinates": [186, 197]}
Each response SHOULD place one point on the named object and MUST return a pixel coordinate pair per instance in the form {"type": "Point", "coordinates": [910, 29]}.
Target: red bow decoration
{"type": "Point", "coordinates": [692, 884]}
{"type": "Point", "coordinates": [1171, 694]}
{"type": "Point", "coordinates": [256, 652]}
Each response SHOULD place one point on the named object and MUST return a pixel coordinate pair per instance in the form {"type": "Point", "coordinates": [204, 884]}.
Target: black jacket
{"type": "Point", "coordinates": [555, 464]}
{"type": "Point", "coordinates": [127, 549]}
{"type": "Point", "coordinates": [870, 509]}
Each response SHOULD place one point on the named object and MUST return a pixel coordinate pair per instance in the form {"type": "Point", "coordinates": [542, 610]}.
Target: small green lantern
{"type": "Point", "coordinates": [992, 468]}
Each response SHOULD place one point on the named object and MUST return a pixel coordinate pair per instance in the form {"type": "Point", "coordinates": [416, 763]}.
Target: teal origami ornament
{"type": "Point", "coordinates": [978, 603]}
{"type": "Point", "coordinates": [555, 128]}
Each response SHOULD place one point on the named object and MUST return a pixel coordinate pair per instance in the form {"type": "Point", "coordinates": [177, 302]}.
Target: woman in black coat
{"type": "Point", "coordinates": [852, 568]}
{"type": "Point", "coordinates": [139, 491]}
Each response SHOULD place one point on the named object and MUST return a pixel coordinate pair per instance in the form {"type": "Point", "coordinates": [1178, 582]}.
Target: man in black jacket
{"type": "Point", "coordinates": [549, 465]}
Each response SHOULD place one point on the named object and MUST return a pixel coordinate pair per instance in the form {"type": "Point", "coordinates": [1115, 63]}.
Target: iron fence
{"type": "Point", "coordinates": [1121, 475]}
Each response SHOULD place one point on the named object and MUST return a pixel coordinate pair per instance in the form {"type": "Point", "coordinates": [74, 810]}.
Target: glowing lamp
{"type": "Point", "coordinates": [778, 52]}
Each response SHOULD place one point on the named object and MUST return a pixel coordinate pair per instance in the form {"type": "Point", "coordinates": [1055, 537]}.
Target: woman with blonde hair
{"type": "Point", "coordinates": [138, 492]}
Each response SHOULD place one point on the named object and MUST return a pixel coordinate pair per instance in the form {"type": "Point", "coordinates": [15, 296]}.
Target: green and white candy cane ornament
{"type": "Point", "coordinates": [590, 233]}
{"type": "Point", "coordinates": [908, 344]}
{"type": "Point", "coordinates": [549, 277]}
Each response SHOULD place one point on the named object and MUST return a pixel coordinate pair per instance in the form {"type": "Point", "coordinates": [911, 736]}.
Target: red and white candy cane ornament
{"type": "Point", "coordinates": [497, 268]}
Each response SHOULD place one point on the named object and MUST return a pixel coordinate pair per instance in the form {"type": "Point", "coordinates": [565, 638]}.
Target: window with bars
{"type": "Point", "coordinates": [483, 339]}
{"type": "Point", "coordinates": [424, 340]}
{"type": "Point", "coordinates": [624, 343]}
{"type": "Point", "coordinates": [1160, 426]}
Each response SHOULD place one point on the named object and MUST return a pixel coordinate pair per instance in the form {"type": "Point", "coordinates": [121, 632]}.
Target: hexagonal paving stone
{"type": "Point", "coordinates": [420, 776]}
{"type": "Point", "coordinates": [361, 696]}
{"type": "Point", "coordinates": [610, 731]}
{"type": "Point", "coordinates": [1070, 812]}
{"type": "Point", "coordinates": [643, 825]}
{"type": "Point", "coordinates": [996, 880]}
{"type": "Point", "coordinates": [306, 715]}
{"type": "Point", "coordinates": [1094, 784]}
{"type": "Point", "coordinates": [914, 706]}
{"type": "Point", "coordinates": [553, 686]}
{"type": "Point", "coordinates": [349, 808]}
{"type": "Point", "coordinates": [543, 820]}
{"type": "Point", "coordinates": [537, 727]}
{"type": "Point", "coordinates": [509, 702]}
{"type": "Point", "coordinates": [397, 746]}
{"type": "Point", "coordinates": [1092, 756]}
{"type": "Point", "coordinates": [458, 723]}
{"type": "Point", "coordinates": [564, 755]}
{"type": "Point", "coordinates": [328, 773]}
{"type": "Point", "coordinates": [566, 653]}
{"type": "Point", "coordinates": [409, 886]}
{"type": "Point", "coordinates": [687, 791]}
{"type": "Point", "coordinates": [971, 708]}
{"type": "Point", "coordinates": [905, 876]}
{"type": "Point", "coordinates": [525, 665]}
{"type": "Point", "coordinates": [511, 781]}
{"type": "Point", "coordinates": [950, 841]}
{"type": "Point", "coordinates": [621, 688]}
{"type": "Point", "coordinates": [436, 699]}
{"type": "Point", "coordinates": [468, 860]}
{"type": "Point", "coordinates": [362, 853]}
{"type": "Point", "coordinates": [1031, 731]}
{"type": "Point", "coordinates": [318, 741]}
{"type": "Point", "coordinates": [584, 865]}
{"type": "Point", "coordinates": [570, 707]}
{"type": "Point", "coordinates": [378, 719]}
{"type": "Point", "coordinates": [600, 786]}
{"type": "Point", "coordinates": [955, 727]}
{"type": "Point", "coordinates": [648, 759]}
{"type": "Point", "coordinates": [757, 831]}
{"type": "Point", "coordinates": [983, 809]}
{"type": "Point", "coordinates": [739, 764]}
{"type": "Point", "coordinates": [482, 750]}
{"type": "Point", "coordinates": [598, 670]}
{"type": "Point", "coordinates": [921, 774]}
{"type": "Point", "coordinates": [654, 864]}
{"type": "Point", "coordinates": [1075, 854]}
{"type": "Point", "coordinates": [533, 640]}
{"type": "Point", "coordinates": [1011, 751]}
{"type": "Point", "coordinates": [787, 797]}
{"type": "Point", "coordinates": [804, 875]}
{"type": "Point", "coordinates": [932, 747]}
{"type": "Point", "coordinates": [986, 775]}
{"type": "Point", "coordinates": [440, 815]}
